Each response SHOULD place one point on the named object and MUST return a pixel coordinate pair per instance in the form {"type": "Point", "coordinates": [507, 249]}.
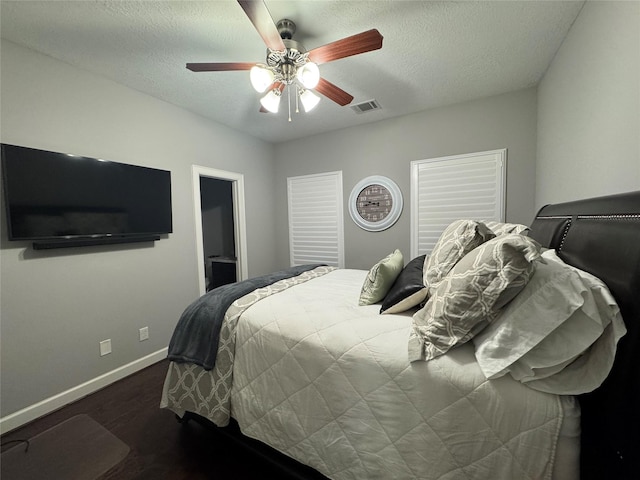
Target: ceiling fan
{"type": "Point", "coordinates": [289, 66]}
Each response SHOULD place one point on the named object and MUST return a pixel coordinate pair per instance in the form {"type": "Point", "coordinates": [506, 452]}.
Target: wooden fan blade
{"type": "Point", "coordinates": [261, 18]}
{"type": "Point", "coordinates": [354, 45]}
{"type": "Point", "coordinates": [219, 67]}
{"type": "Point", "coordinates": [334, 93]}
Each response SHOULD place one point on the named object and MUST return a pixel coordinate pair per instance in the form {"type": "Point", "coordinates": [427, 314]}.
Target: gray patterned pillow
{"type": "Point", "coordinates": [380, 278]}
{"type": "Point", "coordinates": [456, 241]}
{"type": "Point", "coordinates": [471, 295]}
{"type": "Point", "coordinates": [500, 228]}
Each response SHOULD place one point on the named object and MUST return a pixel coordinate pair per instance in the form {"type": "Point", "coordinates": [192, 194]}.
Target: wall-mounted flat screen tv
{"type": "Point", "coordinates": [58, 196]}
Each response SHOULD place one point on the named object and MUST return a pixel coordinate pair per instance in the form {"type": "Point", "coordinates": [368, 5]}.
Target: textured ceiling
{"type": "Point", "coordinates": [433, 53]}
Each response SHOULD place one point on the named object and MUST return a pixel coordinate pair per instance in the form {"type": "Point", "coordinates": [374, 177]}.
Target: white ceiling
{"type": "Point", "coordinates": [433, 53]}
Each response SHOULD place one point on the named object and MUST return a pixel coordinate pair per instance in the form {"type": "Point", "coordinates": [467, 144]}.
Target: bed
{"type": "Point", "coordinates": [353, 393]}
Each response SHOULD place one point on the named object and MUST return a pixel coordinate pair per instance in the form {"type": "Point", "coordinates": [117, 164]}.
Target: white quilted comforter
{"type": "Point", "coordinates": [328, 382]}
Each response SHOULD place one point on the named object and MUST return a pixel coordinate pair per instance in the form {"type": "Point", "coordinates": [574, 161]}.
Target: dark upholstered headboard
{"type": "Point", "coordinates": [602, 236]}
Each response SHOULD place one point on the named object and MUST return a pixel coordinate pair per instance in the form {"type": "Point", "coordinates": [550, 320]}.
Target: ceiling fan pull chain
{"type": "Point", "coordinates": [289, 97]}
{"type": "Point", "coordinates": [297, 95]}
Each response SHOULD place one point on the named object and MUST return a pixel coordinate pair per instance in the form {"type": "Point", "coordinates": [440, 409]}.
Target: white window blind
{"type": "Point", "coordinates": [470, 186]}
{"type": "Point", "coordinates": [316, 219]}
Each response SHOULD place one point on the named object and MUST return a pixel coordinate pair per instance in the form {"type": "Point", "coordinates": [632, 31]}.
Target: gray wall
{"type": "Point", "coordinates": [57, 305]}
{"type": "Point", "coordinates": [589, 108]}
{"type": "Point", "coordinates": [388, 147]}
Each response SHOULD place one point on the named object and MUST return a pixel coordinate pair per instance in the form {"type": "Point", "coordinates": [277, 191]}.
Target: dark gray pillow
{"type": "Point", "coordinates": [408, 290]}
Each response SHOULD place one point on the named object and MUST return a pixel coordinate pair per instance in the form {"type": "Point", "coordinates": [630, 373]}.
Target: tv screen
{"type": "Point", "coordinates": [51, 195]}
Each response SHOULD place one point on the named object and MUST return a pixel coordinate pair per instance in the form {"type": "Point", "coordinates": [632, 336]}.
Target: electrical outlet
{"type": "Point", "coordinates": [144, 333]}
{"type": "Point", "coordinates": [105, 347]}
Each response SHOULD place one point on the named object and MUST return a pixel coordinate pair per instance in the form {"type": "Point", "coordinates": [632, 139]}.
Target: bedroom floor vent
{"type": "Point", "coordinates": [367, 106]}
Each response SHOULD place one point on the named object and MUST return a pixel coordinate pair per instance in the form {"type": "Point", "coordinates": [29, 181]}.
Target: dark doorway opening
{"type": "Point", "coordinates": [218, 231]}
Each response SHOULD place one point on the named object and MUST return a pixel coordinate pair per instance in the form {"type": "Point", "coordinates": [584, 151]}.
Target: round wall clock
{"type": "Point", "coordinates": [375, 203]}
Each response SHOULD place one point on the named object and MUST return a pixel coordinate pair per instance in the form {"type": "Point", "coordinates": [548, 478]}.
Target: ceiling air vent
{"type": "Point", "coordinates": [367, 106]}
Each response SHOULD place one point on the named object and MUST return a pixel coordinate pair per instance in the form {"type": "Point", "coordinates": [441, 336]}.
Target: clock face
{"type": "Point", "coordinates": [375, 203]}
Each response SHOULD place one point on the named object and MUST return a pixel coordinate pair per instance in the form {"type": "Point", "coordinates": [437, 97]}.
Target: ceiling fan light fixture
{"type": "Point", "coordinates": [261, 77]}
{"type": "Point", "coordinates": [309, 100]}
{"type": "Point", "coordinates": [271, 101]}
{"type": "Point", "coordinates": [289, 65]}
{"type": "Point", "coordinates": [308, 75]}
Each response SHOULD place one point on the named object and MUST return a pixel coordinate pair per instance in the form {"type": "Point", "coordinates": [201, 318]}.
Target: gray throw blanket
{"type": "Point", "coordinates": [195, 338]}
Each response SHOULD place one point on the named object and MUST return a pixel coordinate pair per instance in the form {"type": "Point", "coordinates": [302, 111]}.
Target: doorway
{"type": "Point", "coordinates": [220, 227]}
{"type": "Point", "coordinates": [218, 236]}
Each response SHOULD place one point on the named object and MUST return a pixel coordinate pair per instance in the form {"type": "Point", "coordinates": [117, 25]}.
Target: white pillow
{"type": "Point", "coordinates": [558, 335]}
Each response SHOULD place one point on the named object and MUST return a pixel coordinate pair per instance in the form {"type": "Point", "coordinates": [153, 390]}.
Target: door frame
{"type": "Point", "coordinates": [239, 220]}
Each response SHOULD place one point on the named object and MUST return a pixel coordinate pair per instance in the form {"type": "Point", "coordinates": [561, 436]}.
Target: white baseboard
{"type": "Point", "coordinates": [48, 405]}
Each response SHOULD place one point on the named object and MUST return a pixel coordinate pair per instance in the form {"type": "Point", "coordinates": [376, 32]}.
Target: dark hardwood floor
{"type": "Point", "coordinates": [161, 447]}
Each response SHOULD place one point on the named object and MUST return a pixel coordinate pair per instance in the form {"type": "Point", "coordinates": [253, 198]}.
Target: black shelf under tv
{"type": "Point", "coordinates": [88, 241]}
